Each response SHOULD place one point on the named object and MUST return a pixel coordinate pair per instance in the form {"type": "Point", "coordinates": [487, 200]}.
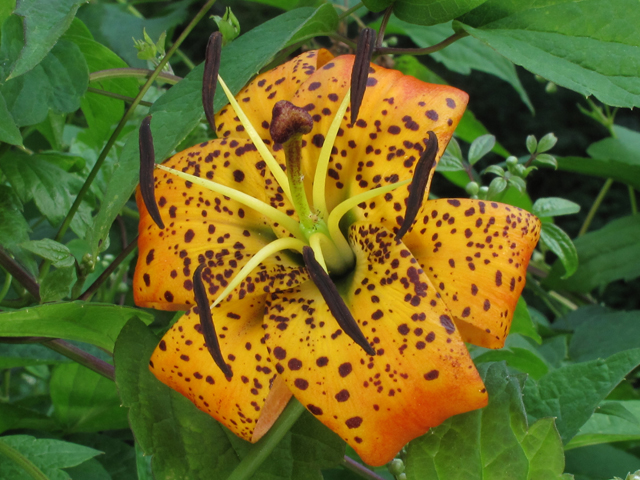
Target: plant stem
{"type": "Point", "coordinates": [263, 448]}
{"type": "Point", "coordinates": [348, 12]}
{"type": "Point", "coordinates": [423, 51]}
{"type": "Point", "coordinates": [343, 39]}
{"type": "Point", "coordinates": [23, 462]}
{"type": "Point", "coordinates": [359, 469]}
{"type": "Point", "coordinates": [19, 273]}
{"type": "Point", "coordinates": [632, 199]}
{"type": "Point", "coordinates": [83, 358]}
{"type": "Point", "coordinates": [123, 121]}
{"type": "Point", "coordinates": [117, 96]}
{"type": "Point", "coordinates": [109, 270]}
{"type": "Point", "coordinates": [596, 204]}
{"type": "Point", "coordinates": [132, 72]}
{"type": "Point", "coordinates": [6, 286]}
{"type": "Point", "coordinates": [383, 26]}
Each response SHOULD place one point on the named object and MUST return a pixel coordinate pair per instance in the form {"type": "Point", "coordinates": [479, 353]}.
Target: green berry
{"type": "Point", "coordinates": [472, 188]}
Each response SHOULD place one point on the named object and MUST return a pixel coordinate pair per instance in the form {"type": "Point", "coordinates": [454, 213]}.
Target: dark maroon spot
{"type": "Point", "coordinates": [184, 357]}
{"type": "Point", "coordinates": [188, 236]}
{"type": "Point", "coordinates": [209, 380]}
{"type": "Point", "coordinates": [404, 329]}
{"type": "Point", "coordinates": [432, 375]}
{"type": "Point", "coordinates": [498, 278]}
{"type": "Point", "coordinates": [147, 279]}
{"type": "Point", "coordinates": [345, 369]}
{"type": "Point", "coordinates": [430, 337]}
{"type": "Point", "coordinates": [451, 103]}
{"type": "Point", "coordinates": [487, 305]}
{"type": "Point", "coordinates": [342, 396]}
{"type": "Point", "coordinates": [454, 202]}
{"type": "Point", "coordinates": [315, 410]}
{"type": "Point", "coordinates": [280, 353]}
{"type": "Point", "coordinates": [420, 345]}
{"type": "Point", "coordinates": [446, 322]}
{"type": "Point", "coordinates": [301, 383]}
{"type": "Point", "coordinates": [432, 115]}
{"type": "Point", "coordinates": [162, 345]}
{"type": "Point", "coordinates": [466, 312]}
{"type": "Point", "coordinates": [150, 256]}
{"type": "Point", "coordinates": [371, 82]}
{"type": "Point", "coordinates": [322, 361]}
{"type": "Point", "coordinates": [168, 296]}
{"type": "Point", "coordinates": [314, 86]}
{"type": "Point", "coordinates": [354, 422]}
{"type": "Point", "coordinates": [295, 364]}
{"type": "Point", "coordinates": [394, 130]}
{"type": "Point", "coordinates": [238, 175]}
{"type": "Point", "coordinates": [377, 315]}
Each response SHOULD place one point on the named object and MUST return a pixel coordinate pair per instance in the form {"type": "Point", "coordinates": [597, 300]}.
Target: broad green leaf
{"type": "Point", "coordinates": [600, 462]}
{"type": "Point", "coordinates": [178, 111]}
{"type": "Point", "coordinates": [85, 401]}
{"type": "Point", "coordinates": [118, 458]}
{"type": "Point", "coordinates": [603, 427]}
{"type": "Point", "coordinates": [57, 284]}
{"type": "Point", "coordinates": [560, 243]}
{"type": "Point", "coordinates": [496, 186]}
{"type": "Point", "coordinates": [626, 173]}
{"type": "Point", "coordinates": [431, 12]}
{"type": "Point", "coordinates": [618, 409]}
{"type": "Point", "coordinates": [86, 322]}
{"type": "Point", "coordinates": [611, 253]}
{"type": "Point", "coordinates": [538, 37]}
{"type": "Point", "coordinates": [6, 8]}
{"type": "Point", "coordinates": [114, 26]}
{"type": "Point", "coordinates": [554, 207]}
{"type": "Point", "coordinates": [9, 131]}
{"type": "Point", "coordinates": [573, 392]}
{"type": "Point", "coordinates": [58, 253]}
{"type": "Point", "coordinates": [522, 322]}
{"type": "Point", "coordinates": [50, 456]}
{"type": "Point", "coordinates": [13, 417]}
{"type": "Point", "coordinates": [14, 228]}
{"type": "Point", "coordinates": [604, 334]}
{"type": "Point", "coordinates": [52, 189]}
{"type": "Point", "coordinates": [44, 22]}
{"type": "Point", "coordinates": [89, 470]}
{"type": "Point", "coordinates": [461, 56]}
{"type": "Point", "coordinates": [493, 443]}
{"type": "Point", "coordinates": [518, 353]}
{"type": "Point", "coordinates": [187, 443]}
{"type": "Point", "coordinates": [23, 355]}
{"type": "Point", "coordinates": [480, 147]}
{"type": "Point", "coordinates": [56, 83]}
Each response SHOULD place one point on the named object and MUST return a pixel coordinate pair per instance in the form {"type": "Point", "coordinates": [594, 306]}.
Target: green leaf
{"type": "Point", "coordinates": [605, 427]}
{"type": "Point", "coordinates": [611, 253]}
{"type": "Point", "coordinates": [92, 323]}
{"type": "Point", "coordinates": [44, 22]}
{"type": "Point", "coordinates": [496, 186]}
{"type": "Point", "coordinates": [462, 56]}
{"type": "Point", "coordinates": [89, 470]}
{"type": "Point", "coordinates": [14, 228]}
{"type": "Point", "coordinates": [22, 355]}
{"type": "Point", "coordinates": [547, 143]}
{"type": "Point", "coordinates": [119, 458]}
{"type": "Point", "coordinates": [9, 131]}
{"type": "Point", "coordinates": [179, 110]}
{"type": "Point", "coordinates": [432, 12]}
{"type": "Point", "coordinates": [554, 207]}
{"type": "Point", "coordinates": [85, 401]}
{"type": "Point", "coordinates": [602, 333]}
{"type": "Point", "coordinates": [452, 159]}
{"type": "Point", "coordinates": [522, 322]}
{"type": "Point", "coordinates": [59, 255]}
{"type": "Point", "coordinates": [573, 392]}
{"type": "Point", "coordinates": [600, 462]}
{"type": "Point", "coordinates": [518, 353]}
{"type": "Point", "coordinates": [619, 171]}
{"type": "Point", "coordinates": [13, 417]}
{"type": "Point", "coordinates": [480, 147]}
{"type": "Point", "coordinates": [187, 443]}
{"type": "Point", "coordinates": [57, 82]}
{"type": "Point", "coordinates": [492, 443]}
{"type": "Point", "coordinates": [560, 243]}
{"type": "Point", "coordinates": [532, 144]}
{"type": "Point", "coordinates": [57, 284]}
{"type": "Point", "coordinates": [50, 456]}
{"type": "Point", "coordinates": [546, 159]}
{"type": "Point", "coordinates": [495, 169]}
{"type": "Point", "coordinates": [538, 37]}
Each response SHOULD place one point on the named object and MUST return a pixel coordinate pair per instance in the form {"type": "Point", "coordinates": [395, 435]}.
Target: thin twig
{"type": "Point", "coordinates": [19, 273]}
{"type": "Point", "coordinates": [383, 26]}
{"type": "Point", "coordinates": [109, 270]}
{"type": "Point", "coordinates": [594, 208]}
{"type": "Point", "coordinates": [422, 51]}
{"type": "Point", "coordinates": [117, 96]}
{"type": "Point", "coordinates": [343, 39]}
{"type": "Point", "coordinates": [349, 11]}
{"type": "Point", "coordinates": [132, 72]}
{"type": "Point", "coordinates": [359, 469]}
{"type": "Point", "coordinates": [83, 358]}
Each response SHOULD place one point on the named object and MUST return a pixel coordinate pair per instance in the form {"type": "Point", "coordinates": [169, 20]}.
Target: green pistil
{"type": "Point", "coordinates": [293, 154]}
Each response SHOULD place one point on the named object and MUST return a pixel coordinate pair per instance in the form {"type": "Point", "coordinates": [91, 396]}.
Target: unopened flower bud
{"type": "Point", "coordinates": [472, 188]}
{"type": "Point", "coordinates": [395, 466]}
{"type": "Point", "coordinates": [512, 161]}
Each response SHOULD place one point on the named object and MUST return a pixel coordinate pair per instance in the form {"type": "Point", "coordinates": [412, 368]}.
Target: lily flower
{"type": "Point", "coordinates": [331, 279]}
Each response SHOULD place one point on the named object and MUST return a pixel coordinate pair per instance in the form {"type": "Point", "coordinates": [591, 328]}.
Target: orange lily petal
{"type": "Point", "coordinates": [422, 373]}
{"type": "Point", "coordinates": [386, 142]}
{"type": "Point", "coordinates": [476, 253]}
{"type": "Point", "coordinates": [258, 97]}
{"type": "Point", "coordinates": [247, 403]}
{"type": "Point", "coordinates": [203, 226]}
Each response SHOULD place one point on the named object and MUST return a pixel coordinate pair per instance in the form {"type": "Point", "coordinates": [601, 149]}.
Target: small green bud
{"type": "Point", "coordinates": [551, 88]}
{"type": "Point", "coordinates": [122, 287]}
{"type": "Point", "coordinates": [540, 79]}
{"type": "Point", "coordinates": [391, 41]}
{"type": "Point", "coordinates": [395, 466]}
{"type": "Point", "coordinates": [402, 476]}
{"type": "Point", "coordinates": [512, 161]}
{"type": "Point", "coordinates": [472, 188]}
{"type": "Point", "coordinates": [532, 144]}
{"type": "Point", "coordinates": [228, 25]}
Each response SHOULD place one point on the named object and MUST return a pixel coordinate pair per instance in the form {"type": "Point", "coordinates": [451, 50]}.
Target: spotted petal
{"type": "Point", "coordinates": [203, 226]}
{"type": "Point", "coordinates": [476, 253]}
{"type": "Point", "coordinates": [247, 403]}
{"type": "Point", "coordinates": [421, 374]}
{"type": "Point", "coordinates": [385, 144]}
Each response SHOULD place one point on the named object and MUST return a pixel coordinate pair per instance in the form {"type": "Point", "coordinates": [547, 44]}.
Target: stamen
{"type": "Point", "coordinates": [322, 167]}
{"type": "Point", "coordinates": [333, 223]}
{"type": "Point", "coordinates": [360, 72]}
{"type": "Point", "coordinates": [269, 159]}
{"type": "Point", "coordinates": [210, 77]}
{"type": "Point", "coordinates": [336, 304]}
{"type": "Point", "coordinates": [206, 322]}
{"type": "Point", "coordinates": [267, 210]}
{"type": "Point", "coordinates": [261, 255]}
{"type": "Point", "coordinates": [147, 164]}
{"type": "Point", "coordinates": [315, 242]}
{"type": "Point", "coordinates": [418, 187]}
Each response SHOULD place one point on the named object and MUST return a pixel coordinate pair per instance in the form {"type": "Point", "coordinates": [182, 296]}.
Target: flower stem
{"type": "Point", "coordinates": [23, 462]}
{"type": "Point", "coordinates": [263, 448]}
{"type": "Point", "coordinates": [632, 199]}
{"type": "Point", "coordinates": [117, 96]}
{"type": "Point", "coordinates": [6, 286]}
{"type": "Point", "coordinates": [348, 12]}
{"type": "Point", "coordinates": [596, 204]}
{"type": "Point", "coordinates": [132, 72]}
{"type": "Point", "coordinates": [359, 469]}
{"type": "Point", "coordinates": [383, 26]}
{"type": "Point", "coordinates": [19, 273]}
{"type": "Point", "coordinates": [83, 358]}
{"type": "Point", "coordinates": [114, 136]}
{"type": "Point", "coordinates": [422, 51]}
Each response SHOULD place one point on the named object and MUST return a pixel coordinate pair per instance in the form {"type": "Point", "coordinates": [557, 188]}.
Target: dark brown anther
{"type": "Point", "coordinates": [147, 165]}
{"type": "Point", "coordinates": [418, 186]}
{"type": "Point", "coordinates": [206, 322]}
{"type": "Point", "coordinates": [210, 77]}
{"type": "Point", "coordinates": [288, 120]}
{"type": "Point", "coordinates": [360, 72]}
{"type": "Point", "coordinates": [336, 304]}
